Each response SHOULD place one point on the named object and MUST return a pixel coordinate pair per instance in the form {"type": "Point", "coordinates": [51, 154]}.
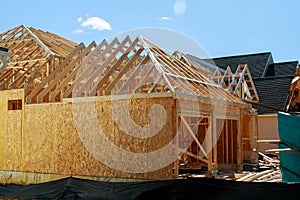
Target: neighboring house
{"type": "Point", "coordinates": [272, 81]}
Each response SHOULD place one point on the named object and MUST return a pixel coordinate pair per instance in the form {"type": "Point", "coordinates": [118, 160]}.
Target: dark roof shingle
{"type": "Point", "coordinates": [256, 62]}
{"type": "Point", "coordinates": [272, 91]}
{"type": "Point", "coordinates": [282, 68]}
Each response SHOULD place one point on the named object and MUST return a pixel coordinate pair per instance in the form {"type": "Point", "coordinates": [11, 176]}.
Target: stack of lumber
{"type": "Point", "coordinates": [268, 161]}
{"type": "Point", "coordinates": [264, 176]}
{"type": "Point", "coordinates": [271, 175]}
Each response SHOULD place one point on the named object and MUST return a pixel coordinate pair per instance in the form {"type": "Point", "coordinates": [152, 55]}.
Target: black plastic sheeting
{"type": "Point", "coordinates": [191, 188]}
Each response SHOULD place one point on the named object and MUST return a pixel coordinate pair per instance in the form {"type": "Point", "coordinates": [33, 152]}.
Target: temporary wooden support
{"type": "Point", "coordinates": [193, 136]}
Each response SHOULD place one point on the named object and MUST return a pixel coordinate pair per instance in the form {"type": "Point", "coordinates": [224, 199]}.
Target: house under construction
{"type": "Point", "coordinates": [143, 99]}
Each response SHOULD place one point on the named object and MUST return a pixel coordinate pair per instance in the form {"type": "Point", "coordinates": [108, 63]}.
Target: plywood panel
{"type": "Point", "coordinates": [10, 131]}
{"type": "Point", "coordinates": [14, 139]}
{"type": "Point", "coordinates": [3, 129]}
{"type": "Point", "coordinates": [15, 94]}
{"type": "Point", "coordinates": [52, 144]}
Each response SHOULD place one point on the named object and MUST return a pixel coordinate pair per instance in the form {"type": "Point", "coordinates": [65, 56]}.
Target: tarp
{"type": "Point", "coordinates": [289, 165]}
{"type": "Point", "coordinates": [289, 129]}
{"type": "Point", "coordinates": [289, 133]}
{"type": "Point", "coordinates": [191, 188]}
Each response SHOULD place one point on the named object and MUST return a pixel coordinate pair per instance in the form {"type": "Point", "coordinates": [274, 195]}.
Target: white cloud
{"type": "Point", "coordinates": [164, 18]}
{"type": "Point", "coordinates": [95, 23]}
{"type": "Point", "coordinates": [79, 19]}
{"type": "Point", "coordinates": [77, 31]}
{"type": "Point", "coordinates": [179, 7]}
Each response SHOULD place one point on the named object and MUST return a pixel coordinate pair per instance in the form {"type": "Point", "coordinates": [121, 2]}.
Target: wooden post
{"type": "Point", "coordinates": [240, 140]}
{"type": "Point", "coordinates": [214, 141]}
{"type": "Point", "coordinates": [209, 153]}
{"type": "Point", "coordinates": [232, 140]}
{"type": "Point", "coordinates": [175, 131]}
{"type": "Point", "coordinates": [226, 142]}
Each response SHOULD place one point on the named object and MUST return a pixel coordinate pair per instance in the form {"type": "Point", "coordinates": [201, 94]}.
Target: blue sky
{"type": "Point", "coordinates": [221, 27]}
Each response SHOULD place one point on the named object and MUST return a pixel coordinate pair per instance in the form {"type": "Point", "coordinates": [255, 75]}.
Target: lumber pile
{"type": "Point", "coordinates": [268, 161]}
{"type": "Point", "coordinates": [273, 174]}
{"type": "Point", "coordinates": [264, 176]}
{"type": "Point", "coordinates": [269, 172]}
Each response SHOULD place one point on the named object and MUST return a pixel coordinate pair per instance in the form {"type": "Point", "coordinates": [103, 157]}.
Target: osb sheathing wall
{"type": "Point", "coordinates": [11, 130]}
{"type": "Point", "coordinates": [51, 143]}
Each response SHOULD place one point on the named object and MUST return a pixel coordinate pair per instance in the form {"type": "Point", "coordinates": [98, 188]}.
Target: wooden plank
{"type": "Point", "coordinates": [270, 141]}
{"type": "Point", "coordinates": [210, 146]}
{"type": "Point", "coordinates": [227, 141]}
{"type": "Point", "coordinates": [232, 146]}
{"type": "Point", "coordinates": [282, 150]}
{"type": "Point", "coordinates": [214, 140]}
{"type": "Point", "coordinates": [175, 133]}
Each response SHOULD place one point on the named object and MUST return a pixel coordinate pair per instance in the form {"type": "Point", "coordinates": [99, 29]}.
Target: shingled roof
{"type": "Point", "coordinates": [272, 92]}
{"type": "Point", "coordinates": [272, 80]}
{"type": "Point", "coordinates": [257, 62]}
{"type": "Point", "coordinates": [282, 68]}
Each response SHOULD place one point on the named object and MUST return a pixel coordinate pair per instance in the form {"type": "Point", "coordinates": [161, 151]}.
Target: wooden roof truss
{"type": "Point", "coordinates": [140, 66]}
{"type": "Point", "coordinates": [51, 68]}
{"type": "Point", "coordinates": [31, 59]}
{"type": "Point", "coordinates": [240, 83]}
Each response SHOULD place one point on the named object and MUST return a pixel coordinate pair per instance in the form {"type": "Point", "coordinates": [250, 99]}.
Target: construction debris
{"type": "Point", "coordinates": [267, 171]}
{"type": "Point", "coordinates": [272, 174]}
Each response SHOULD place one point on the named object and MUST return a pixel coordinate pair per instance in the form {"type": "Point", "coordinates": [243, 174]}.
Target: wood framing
{"type": "Point", "coordinates": [204, 120]}
{"type": "Point", "coordinates": [35, 54]}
